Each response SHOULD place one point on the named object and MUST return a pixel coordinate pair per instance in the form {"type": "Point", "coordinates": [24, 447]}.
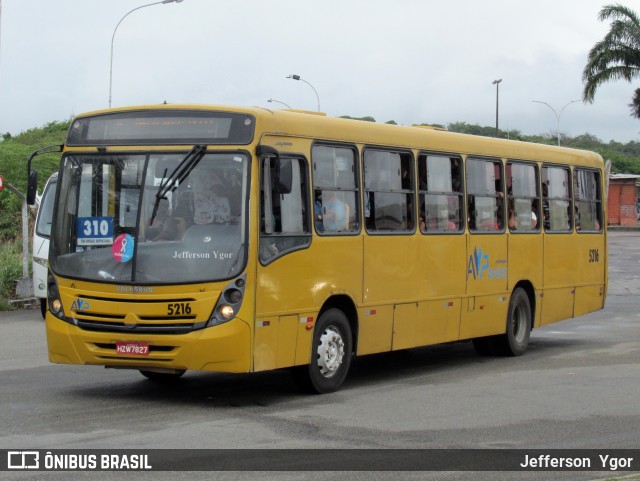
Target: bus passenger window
{"type": "Point", "coordinates": [556, 199]}
{"type": "Point", "coordinates": [485, 197]}
{"type": "Point", "coordinates": [388, 183]}
{"type": "Point", "coordinates": [523, 212]}
{"type": "Point", "coordinates": [335, 194]}
{"type": "Point", "coordinates": [587, 200]}
{"type": "Point", "coordinates": [440, 190]}
{"type": "Point", "coordinates": [284, 219]}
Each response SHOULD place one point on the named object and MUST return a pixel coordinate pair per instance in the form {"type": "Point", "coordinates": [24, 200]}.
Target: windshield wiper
{"type": "Point", "coordinates": [180, 173]}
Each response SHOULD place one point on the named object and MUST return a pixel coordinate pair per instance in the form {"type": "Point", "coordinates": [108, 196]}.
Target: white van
{"type": "Point", "coordinates": [41, 234]}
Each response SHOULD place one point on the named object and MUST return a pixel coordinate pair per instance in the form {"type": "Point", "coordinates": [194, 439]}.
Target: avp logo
{"type": "Point", "coordinates": [478, 263]}
{"type": "Point", "coordinates": [80, 305]}
{"type": "Point", "coordinates": [23, 460]}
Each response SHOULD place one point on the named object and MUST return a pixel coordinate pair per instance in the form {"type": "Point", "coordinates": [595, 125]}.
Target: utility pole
{"type": "Point", "coordinates": [497, 84]}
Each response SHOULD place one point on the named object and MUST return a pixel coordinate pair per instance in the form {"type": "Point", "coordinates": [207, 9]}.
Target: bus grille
{"type": "Point", "coordinates": [151, 328]}
{"type": "Point", "coordinates": [146, 321]}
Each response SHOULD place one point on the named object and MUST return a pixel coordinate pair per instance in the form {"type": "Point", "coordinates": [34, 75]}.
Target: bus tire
{"type": "Point", "coordinates": [43, 307]}
{"type": "Point", "coordinates": [165, 377]}
{"type": "Point", "coordinates": [330, 354]}
{"type": "Point", "coordinates": [515, 340]}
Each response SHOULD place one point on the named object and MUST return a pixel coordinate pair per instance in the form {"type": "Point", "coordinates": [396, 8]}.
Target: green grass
{"type": "Point", "coordinates": [10, 271]}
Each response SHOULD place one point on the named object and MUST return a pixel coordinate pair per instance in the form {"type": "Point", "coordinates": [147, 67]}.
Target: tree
{"type": "Point", "coordinates": [616, 56]}
{"type": "Point", "coordinates": [635, 104]}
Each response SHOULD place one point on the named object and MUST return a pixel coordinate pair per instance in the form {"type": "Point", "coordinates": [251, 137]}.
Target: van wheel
{"type": "Point", "coordinates": [516, 338]}
{"type": "Point", "coordinates": [330, 354]}
{"type": "Point", "coordinates": [43, 307]}
{"type": "Point", "coordinates": [163, 376]}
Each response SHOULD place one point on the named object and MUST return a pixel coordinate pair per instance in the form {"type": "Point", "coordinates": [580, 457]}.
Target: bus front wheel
{"type": "Point", "coordinates": [330, 354]}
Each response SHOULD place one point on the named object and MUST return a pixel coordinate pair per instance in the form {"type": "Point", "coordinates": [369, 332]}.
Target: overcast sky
{"type": "Point", "coordinates": [411, 61]}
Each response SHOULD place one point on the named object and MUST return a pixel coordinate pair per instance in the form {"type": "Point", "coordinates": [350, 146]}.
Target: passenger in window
{"type": "Point", "coordinates": [211, 203]}
{"type": "Point", "coordinates": [513, 224]}
{"type": "Point", "coordinates": [405, 177]}
{"type": "Point", "coordinates": [534, 220]}
{"type": "Point", "coordinates": [317, 212]}
{"type": "Point", "coordinates": [335, 215]}
{"type": "Point", "coordinates": [545, 206]}
{"type": "Point", "coordinates": [456, 175]}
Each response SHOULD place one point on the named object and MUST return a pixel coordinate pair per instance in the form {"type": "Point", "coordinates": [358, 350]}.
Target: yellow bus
{"type": "Point", "coordinates": [191, 237]}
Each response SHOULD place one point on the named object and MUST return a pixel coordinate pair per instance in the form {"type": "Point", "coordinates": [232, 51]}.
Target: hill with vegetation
{"type": "Point", "coordinates": [14, 153]}
{"type": "Point", "coordinates": [15, 150]}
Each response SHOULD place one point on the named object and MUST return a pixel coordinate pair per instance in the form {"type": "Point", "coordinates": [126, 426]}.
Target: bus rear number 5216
{"type": "Point", "coordinates": [594, 255]}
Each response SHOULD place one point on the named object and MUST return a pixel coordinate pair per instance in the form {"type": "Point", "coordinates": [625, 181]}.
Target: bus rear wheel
{"type": "Point", "coordinates": [515, 340]}
{"type": "Point", "coordinates": [330, 354]}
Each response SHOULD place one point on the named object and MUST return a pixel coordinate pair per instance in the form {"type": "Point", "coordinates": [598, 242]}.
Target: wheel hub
{"type": "Point", "coordinates": [330, 352]}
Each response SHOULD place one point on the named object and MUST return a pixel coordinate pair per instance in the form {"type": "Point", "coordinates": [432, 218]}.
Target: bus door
{"type": "Point", "coordinates": [524, 223]}
{"type": "Point", "coordinates": [560, 253]}
{"type": "Point", "coordinates": [487, 262]}
{"type": "Point", "coordinates": [442, 252]}
{"type": "Point", "coordinates": [391, 266]}
{"type": "Point", "coordinates": [590, 278]}
{"type": "Point", "coordinates": [295, 274]}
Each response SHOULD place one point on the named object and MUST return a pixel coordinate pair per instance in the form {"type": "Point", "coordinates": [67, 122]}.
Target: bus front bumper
{"type": "Point", "coordinates": [223, 348]}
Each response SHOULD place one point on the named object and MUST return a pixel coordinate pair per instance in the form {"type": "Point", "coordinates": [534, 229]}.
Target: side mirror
{"type": "Point", "coordinates": [32, 187]}
{"type": "Point", "coordinates": [32, 176]}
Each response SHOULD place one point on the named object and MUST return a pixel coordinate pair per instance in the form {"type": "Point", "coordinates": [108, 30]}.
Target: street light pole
{"type": "Point", "coordinates": [497, 84]}
{"type": "Point", "coordinates": [279, 102]}
{"type": "Point", "coordinates": [297, 77]}
{"type": "Point", "coordinates": [114, 36]}
{"type": "Point", "coordinates": [558, 115]}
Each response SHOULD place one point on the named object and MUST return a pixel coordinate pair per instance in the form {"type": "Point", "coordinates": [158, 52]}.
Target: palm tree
{"type": "Point", "coordinates": [635, 104]}
{"type": "Point", "coordinates": [617, 55]}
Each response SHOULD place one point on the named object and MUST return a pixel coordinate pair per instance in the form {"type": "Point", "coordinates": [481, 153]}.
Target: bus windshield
{"type": "Point", "coordinates": [114, 226]}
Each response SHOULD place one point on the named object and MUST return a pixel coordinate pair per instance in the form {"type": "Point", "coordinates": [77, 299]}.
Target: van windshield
{"type": "Point", "coordinates": [45, 213]}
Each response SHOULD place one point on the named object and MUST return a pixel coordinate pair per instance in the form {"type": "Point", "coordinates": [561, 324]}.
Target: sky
{"type": "Point", "coordinates": [411, 61]}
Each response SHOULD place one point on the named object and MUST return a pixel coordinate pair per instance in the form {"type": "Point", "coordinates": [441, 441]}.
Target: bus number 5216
{"type": "Point", "coordinates": [179, 309]}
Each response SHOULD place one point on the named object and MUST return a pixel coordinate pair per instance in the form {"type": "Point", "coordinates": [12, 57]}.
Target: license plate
{"type": "Point", "coordinates": [132, 348]}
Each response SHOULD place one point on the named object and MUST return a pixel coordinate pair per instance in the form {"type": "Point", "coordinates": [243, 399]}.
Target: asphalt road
{"type": "Point", "coordinates": [578, 386]}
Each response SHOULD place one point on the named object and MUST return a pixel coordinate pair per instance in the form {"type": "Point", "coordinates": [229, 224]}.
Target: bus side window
{"type": "Point", "coordinates": [556, 199]}
{"type": "Point", "coordinates": [587, 200]}
{"type": "Point", "coordinates": [284, 217]}
{"type": "Point", "coordinates": [336, 192]}
{"type": "Point", "coordinates": [523, 212]}
{"type": "Point", "coordinates": [388, 181]}
{"type": "Point", "coordinates": [485, 197]}
{"type": "Point", "coordinates": [440, 187]}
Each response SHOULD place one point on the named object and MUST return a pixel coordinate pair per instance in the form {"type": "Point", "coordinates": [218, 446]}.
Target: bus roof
{"type": "Point", "coordinates": [319, 126]}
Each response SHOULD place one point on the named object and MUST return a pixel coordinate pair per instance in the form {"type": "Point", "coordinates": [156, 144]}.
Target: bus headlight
{"type": "Point", "coordinates": [53, 296]}
{"type": "Point", "coordinates": [56, 306]}
{"type": "Point", "coordinates": [229, 302]}
{"type": "Point", "coordinates": [226, 312]}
